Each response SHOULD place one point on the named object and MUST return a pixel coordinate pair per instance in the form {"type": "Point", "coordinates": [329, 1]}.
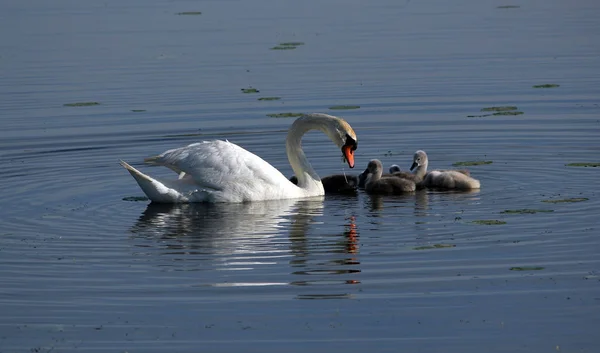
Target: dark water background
{"type": "Point", "coordinates": [81, 269]}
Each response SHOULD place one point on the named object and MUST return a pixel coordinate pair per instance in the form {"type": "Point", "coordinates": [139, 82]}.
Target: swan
{"type": "Point", "coordinates": [336, 183]}
{"type": "Point", "coordinates": [441, 179]}
{"type": "Point", "coordinates": [220, 171]}
{"type": "Point", "coordinates": [375, 184]}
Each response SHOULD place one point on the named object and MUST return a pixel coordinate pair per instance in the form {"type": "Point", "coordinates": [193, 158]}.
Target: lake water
{"type": "Point", "coordinates": [84, 269]}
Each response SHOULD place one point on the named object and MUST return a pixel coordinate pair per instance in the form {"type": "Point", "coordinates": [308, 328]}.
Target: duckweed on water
{"type": "Point", "coordinates": [488, 222]}
{"type": "Point", "coordinates": [269, 98]}
{"type": "Point", "coordinates": [592, 164]}
{"type": "Point", "coordinates": [285, 115]}
{"type": "Point", "coordinates": [527, 268]}
{"type": "Point", "coordinates": [283, 47]}
{"type": "Point", "coordinates": [344, 107]}
{"type": "Point", "coordinates": [471, 163]}
{"type": "Point", "coordinates": [287, 45]}
{"type": "Point", "coordinates": [81, 104]}
{"type": "Point", "coordinates": [499, 109]}
{"type": "Point", "coordinates": [189, 13]}
{"type": "Point", "coordinates": [434, 246]}
{"type": "Point", "coordinates": [291, 44]}
{"type": "Point", "coordinates": [135, 198]}
{"type": "Point", "coordinates": [507, 113]}
{"type": "Point", "coordinates": [546, 85]}
{"type": "Point", "coordinates": [249, 90]}
{"type": "Point", "coordinates": [524, 211]}
{"type": "Point", "coordinates": [574, 199]}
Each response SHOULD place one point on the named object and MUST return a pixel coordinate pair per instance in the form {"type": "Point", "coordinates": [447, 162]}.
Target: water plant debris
{"type": "Point", "coordinates": [524, 211]}
{"type": "Point", "coordinates": [471, 163]}
{"type": "Point", "coordinates": [574, 199]}
{"type": "Point", "coordinates": [269, 98]}
{"type": "Point", "coordinates": [590, 164]}
{"type": "Point", "coordinates": [488, 222]}
{"type": "Point", "coordinates": [527, 268]}
{"type": "Point", "coordinates": [81, 104]}
{"type": "Point", "coordinates": [249, 90]}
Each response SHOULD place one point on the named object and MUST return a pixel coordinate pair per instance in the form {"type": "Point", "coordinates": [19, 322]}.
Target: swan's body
{"type": "Point", "coordinates": [220, 171]}
{"type": "Point", "coordinates": [376, 184]}
{"type": "Point", "coordinates": [442, 179]}
{"type": "Point", "coordinates": [336, 183]}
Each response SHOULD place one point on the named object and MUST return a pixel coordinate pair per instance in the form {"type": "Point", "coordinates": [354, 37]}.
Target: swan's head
{"type": "Point", "coordinates": [343, 135]}
{"type": "Point", "coordinates": [419, 159]}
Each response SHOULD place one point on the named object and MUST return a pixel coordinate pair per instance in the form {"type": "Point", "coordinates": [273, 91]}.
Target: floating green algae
{"type": "Point", "coordinates": [285, 115]}
{"type": "Point", "coordinates": [291, 44]}
{"type": "Point", "coordinates": [590, 164]}
{"type": "Point", "coordinates": [269, 98]}
{"type": "Point", "coordinates": [573, 199]}
{"type": "Point", "coordinates": [283, 47]}
{"type": "Point", "coordinates": [135, 198]}
{"type": "Point", "coordinates": [546, 85]}
{"type": "Point", "coordinates": [524, 211]}
{"type": "Point", "coordinates": [287, 45]}
{"type": "Point", "coordinates": [434, 246]}
{"type": "Point", "coordinates": [507, 113]}
{"type": "Point", "coordinates": [499, 109]}
{"type": "Point", "coordinates": [344, 107]}
{"type": "Point", "coordinates": [81, 104]}
{"type": "Point", "coordinates": [527, 268]}
{"type": "Point", "coordinates": [189, 13]}
{"type": "Point", "coordinates": [488, 222]}
{"type": "Point", "coordinates": [249, 90]}
{"type": "Point", "coordinates": [471, 163]}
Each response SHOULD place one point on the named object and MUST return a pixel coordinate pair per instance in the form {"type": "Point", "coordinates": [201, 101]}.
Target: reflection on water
{"type": "Point", "coordinates": [242, 237]}
{"type": "Point", "coordinates": [221, 228]}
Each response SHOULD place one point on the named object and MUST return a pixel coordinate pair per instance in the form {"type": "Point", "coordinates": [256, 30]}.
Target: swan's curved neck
{"type": "Point", "coordinates": [421, 169]}
{"type": "Point", "coordinates": [307, 177]}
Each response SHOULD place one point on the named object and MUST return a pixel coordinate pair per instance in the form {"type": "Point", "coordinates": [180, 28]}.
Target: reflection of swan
{"type": "Point", "coordinates": [392, 185]}
{"type": "Point", "coordinates": [441, 179]}
{"type": "Point", "coordinates": [222, 228]}
{"type": "Point", "coordinates": [220, 171]}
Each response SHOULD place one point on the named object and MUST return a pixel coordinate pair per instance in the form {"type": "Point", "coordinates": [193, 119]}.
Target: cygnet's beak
{"type": "Point", "coordinates": [348, 154]}
{"type": "Point", "coordinates": [413, 166]}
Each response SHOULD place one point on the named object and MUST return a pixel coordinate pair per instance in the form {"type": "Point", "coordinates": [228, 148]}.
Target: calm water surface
{"type": "Point", "coordinates": [83, 269]}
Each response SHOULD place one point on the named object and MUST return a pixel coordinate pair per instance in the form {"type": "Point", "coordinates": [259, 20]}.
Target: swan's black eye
{"type": "Point", "coordinates": [351, 142]}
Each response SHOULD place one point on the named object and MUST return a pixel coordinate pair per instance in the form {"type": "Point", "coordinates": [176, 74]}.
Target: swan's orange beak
{"type": "Point", "coordinates": [348, 153]}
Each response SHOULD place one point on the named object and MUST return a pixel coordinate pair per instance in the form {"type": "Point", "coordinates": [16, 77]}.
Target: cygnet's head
{"type": "Point", "coordinates": [375, 167]}
{"type": "Point", "coordinates": [419, 159]}
{"type": "Point", "coordinates": [394, 168]}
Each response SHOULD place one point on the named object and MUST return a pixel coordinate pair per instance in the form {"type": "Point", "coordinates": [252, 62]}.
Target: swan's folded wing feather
{"type": "Point", "coordinates": [215, 164]}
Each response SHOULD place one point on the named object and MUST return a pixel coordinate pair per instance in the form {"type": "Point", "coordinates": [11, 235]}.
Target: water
{"type": "Point", "coordinates": [83, 269]}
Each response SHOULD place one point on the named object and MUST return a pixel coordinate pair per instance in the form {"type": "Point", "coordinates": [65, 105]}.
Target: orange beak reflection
{"type": "Point", "coordinates": [348, 155]}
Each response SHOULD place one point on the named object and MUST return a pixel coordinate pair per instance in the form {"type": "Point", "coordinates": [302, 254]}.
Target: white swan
{"type": "Point", "coordinates": [220, 171]}
{"type": "Point", "coordinates": [441, 179]}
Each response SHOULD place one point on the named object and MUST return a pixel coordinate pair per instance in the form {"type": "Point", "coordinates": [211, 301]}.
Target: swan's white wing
{"type": "Point", "coordinates": [220, 165]}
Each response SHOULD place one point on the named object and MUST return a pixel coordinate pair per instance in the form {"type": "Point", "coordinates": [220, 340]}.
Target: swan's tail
{"type": "Point", "coordinates": [464, 182]}
{"type": "Point", "coordinates": [154, 189]}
